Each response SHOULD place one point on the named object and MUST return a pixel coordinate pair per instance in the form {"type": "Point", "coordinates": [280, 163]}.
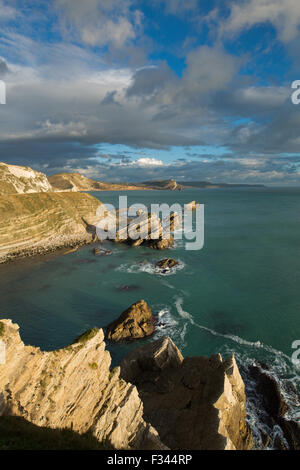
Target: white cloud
{"type": "Point", "coordinates": [7, 12]}
{"type": "Point", "coordinates": [283, 14]}
{"type": "Point", "coordinates": [148, 162]}
{"type": "Point", "coordinates": [100, 22]}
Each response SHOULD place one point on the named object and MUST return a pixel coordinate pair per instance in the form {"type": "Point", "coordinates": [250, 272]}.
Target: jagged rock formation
{"type": "Point", "coordinates": [73, 388]}
{"type": "Point", "coordinates": [194, 403]}
{"type": "Point", "coordinates": [20, 180]}
{"type": "Point", "coordinates": [37, 223]}
{"type": "Point", "coordinates": [146, 230]}
{"type": "Point", "coordinates": [191, 403]}
{"type": "Point", "coordinates": [192, 206]}
{"type": "Point", "coordinates": [134, 323]}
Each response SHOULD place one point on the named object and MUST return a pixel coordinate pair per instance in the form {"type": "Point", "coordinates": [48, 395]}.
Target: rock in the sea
{"type": "Point", "coordinates": [134, 323]}
{"type": "Point", "coordinates": [73, 388]}
{"type": "Point", "coordinates": [147, 230]}
{"type": "Point", "coordinates": [161, 243]}
{"type": "Point", "coordinates": [191, 206]}
{"type": "Point", "coordinates": [194, 403]}
{"type": "Point", "coordinates": [100, 251]}
{"type": "Point", "coordinates": [166, 263]}
{"type": "Point", "coordinates": [172, 222]}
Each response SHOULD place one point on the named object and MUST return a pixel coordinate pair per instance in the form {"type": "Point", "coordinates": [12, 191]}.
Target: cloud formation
{"type": "Point", "coordinates": [71, 92]}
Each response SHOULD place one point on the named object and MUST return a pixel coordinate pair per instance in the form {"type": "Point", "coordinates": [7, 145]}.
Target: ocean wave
{"type": "Point", "coordinates": [235, 338]}
{"type": "Point", "coordinates": [167, 325]}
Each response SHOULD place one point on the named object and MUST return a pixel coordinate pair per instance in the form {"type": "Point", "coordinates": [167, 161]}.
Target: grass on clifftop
{"type": "Point", "coordinates": [18, 434]}
{"type": "Point", "coordinates": [89, 334]}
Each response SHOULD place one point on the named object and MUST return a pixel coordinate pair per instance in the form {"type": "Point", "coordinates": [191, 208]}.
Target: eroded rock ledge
{"type": "Point", "coordinates": [159, 401]}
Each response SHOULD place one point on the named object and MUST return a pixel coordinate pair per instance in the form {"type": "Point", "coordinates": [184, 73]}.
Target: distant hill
{"type": "Point", "coordinates": [170, 185]}
{"type": "Point", "coordinates": [78, 182]}
{"type": "Point", "coordinates": [21, 180]}
{"type": "Point", "coordinates": [207, 184]}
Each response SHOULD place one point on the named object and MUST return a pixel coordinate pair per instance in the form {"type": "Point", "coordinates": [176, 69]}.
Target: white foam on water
{"type": "Point", "coordinates": [281, 369]}
{"type": "Point", "coordinates": [237, 339]}
{"type": "Point", "coordinates": [167, 325]}
{"type": "Point", "coordinates": [149, 268]}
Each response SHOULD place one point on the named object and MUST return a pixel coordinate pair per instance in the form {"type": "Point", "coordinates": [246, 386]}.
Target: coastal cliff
{"type": "Point", "coordinates": [21, 180]}
{"type": "Point", "coordinates": [41, 222]}
{"type": "Point", "coordinates": [197, 403]}
{"type": "Point", "coordinates": [73, 388]}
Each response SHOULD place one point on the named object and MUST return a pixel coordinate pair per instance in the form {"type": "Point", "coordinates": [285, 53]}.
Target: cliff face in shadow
{"type": "Point", "coordinates": [36, 223]}
{"type": "Point", "coordinates": [194, 402]}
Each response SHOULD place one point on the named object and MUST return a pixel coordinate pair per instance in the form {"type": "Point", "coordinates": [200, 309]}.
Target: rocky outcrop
{"type": "Point", "coordinates": [37, 223]}
{"type": "Point", "coordinates": [156, 400]}
{"type": "Point", "coordinates": [166, 264]}
{"type": "Point", "coordinates": [101, 252]}
{"type": "Point", "coordinates": [194, 403]}
{"type": "Point", "coordinates": [146, 230]}
{"type": "Point", "coordinates": [191, 206]}
{"type": "Point", "coordinates": [20, 180]}
{"type": "Point", "coordinates": [134, 323]}
{"type": "Point", "coordinates": [73, 388]}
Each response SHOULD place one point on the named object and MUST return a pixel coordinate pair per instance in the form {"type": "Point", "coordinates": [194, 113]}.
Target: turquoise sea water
{"type": "Point", "coordinates": [240, 293]}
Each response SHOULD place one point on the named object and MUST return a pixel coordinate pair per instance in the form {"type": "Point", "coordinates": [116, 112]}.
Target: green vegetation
{"type": "Point", "coordinates": [18, 434]}
{"type": "Point", "coordinates": [93, 365]}
{"type": "Point", "coordinates": [113, 372]}
{"type": "Point", "coordinates": [89, 334]}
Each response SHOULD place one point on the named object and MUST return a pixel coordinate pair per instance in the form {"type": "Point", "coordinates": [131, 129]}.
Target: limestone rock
{"type": "Point", "coordinates": [166, 264]}
{"type": "Point", "coordinates": [155, 356]}
{"type": "Point", "coordinates": [192, 206]}
{"type": "Point", "coordinates": [73, 388]}
{"type": "Point", "coordinates": [161, 243]}
{"type": "Point", "coordinates": [194, 403]}
{"type": "Point", "coordinates": [134, 323]}
{"type": "Point", "coordinates": [172, 222]}
{"type": "Point", "coordinates": [101, 251]}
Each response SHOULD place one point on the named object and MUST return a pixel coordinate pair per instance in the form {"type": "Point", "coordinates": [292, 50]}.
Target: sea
{"type": "Point", "coordinates": [239, 294]}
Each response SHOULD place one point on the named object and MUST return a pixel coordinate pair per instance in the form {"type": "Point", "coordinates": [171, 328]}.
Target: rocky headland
{"type": "Point", "coordinates": [156, 400]}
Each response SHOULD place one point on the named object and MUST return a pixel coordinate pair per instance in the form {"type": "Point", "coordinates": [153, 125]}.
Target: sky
{"type": "Point", "coordinates": [136, 90]}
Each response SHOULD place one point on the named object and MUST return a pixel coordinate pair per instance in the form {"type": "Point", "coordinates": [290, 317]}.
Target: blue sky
{"type": "Point", "coordinates": [130, 90]}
